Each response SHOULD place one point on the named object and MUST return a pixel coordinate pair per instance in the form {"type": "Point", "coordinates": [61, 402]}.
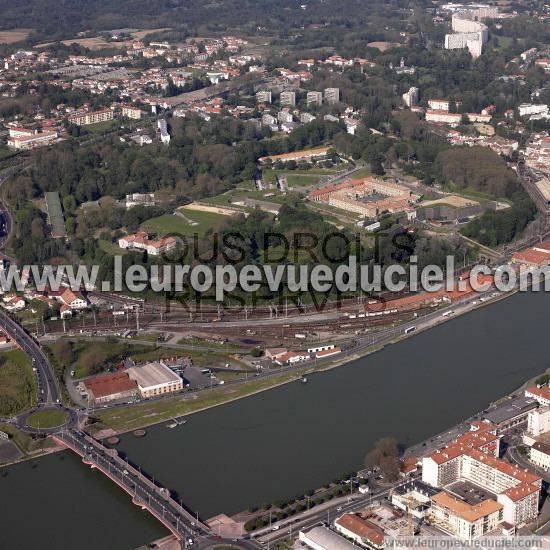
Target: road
{"type": "Point", "coordinates": [323, 514]}
{"type": "Point", "coordinates": [48, 388]}
{"type": "Point", "coordinates": [145, 493]}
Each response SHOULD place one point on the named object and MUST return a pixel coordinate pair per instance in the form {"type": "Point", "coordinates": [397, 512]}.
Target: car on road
{"type": "Point", "coordinates": [275, 527]}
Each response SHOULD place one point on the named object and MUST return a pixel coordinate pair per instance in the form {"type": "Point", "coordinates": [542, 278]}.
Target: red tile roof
{"type": "Point", "coordinates": [542, 391]}
{"type": "Point", "coordinates": [521, 474]}
{"type": "Point", "coordinates": [362, 527]}
{"type": "Point", "coordinates": [110, 384]}
{"type": "Point", "coordinates": [479, 438]}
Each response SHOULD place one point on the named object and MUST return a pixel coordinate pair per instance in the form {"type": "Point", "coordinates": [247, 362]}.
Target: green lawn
{"type": "Point", "coordinates": [47, 419]}
{"type": "Point", "coordinates": [101, 127]}
{"type": "Point", "coordinates": [194, 221]}
{"type": "Point", "coordinates": [472, 193]}
{"type": "Point", "coordinates": [111, 248]}
{"type": "Point", "coordinates": [17, 382]}
{"type": "Point", "coordinates": [24, 441]}
{"type": "Point", "coordinates": [361, 173]}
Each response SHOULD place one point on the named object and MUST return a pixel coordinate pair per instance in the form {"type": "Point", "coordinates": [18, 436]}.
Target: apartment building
{"type": "Point", "coordinates": [93, 117]}
{"type": "Point", "coordinates": [538, 421]}
{"type": "Point", "coordinates": [288, 98]}
{"type": "Point", "coordinates": [142, 241]}
{"type": "Point", "coordinates": [439, 104]}
{"type": "Point", "coordinates": [540, 455]}
{"type": "Point", "coordinates": [540, 393]}
{"type": "Point", "coordinates": [463, 520]}
{"type": "Point", "coordinates": [473, 458]}
{"type": "Point", "coordinates": [411, 97]}
{"type": "Point", "coordinates": [132, 112]}
{"type": "Point", "coordinates": [452, 119]}
{"type": "Point", "coordinates": [332, 95]}
{"type": "Point", "coordinates": [263, 96]}
{"type": "Point", "coordinates": [314, 98]}
{"type": "Point", "coordinates": [32, 141]}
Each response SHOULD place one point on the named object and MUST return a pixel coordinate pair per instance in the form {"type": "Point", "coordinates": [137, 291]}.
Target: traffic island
{"type": "Point", "coordinates": [47, 419]}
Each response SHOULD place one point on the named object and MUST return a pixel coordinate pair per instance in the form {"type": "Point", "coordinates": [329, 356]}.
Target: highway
{"type": "Point", "coordinates": [48, 388]}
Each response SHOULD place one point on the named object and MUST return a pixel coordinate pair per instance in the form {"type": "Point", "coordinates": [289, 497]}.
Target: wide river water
{"type": "Point", "coordinates": [281, 442]}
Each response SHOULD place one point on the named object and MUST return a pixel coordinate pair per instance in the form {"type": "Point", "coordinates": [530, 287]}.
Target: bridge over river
{"type": "Point", "coordinates": [144, 492]}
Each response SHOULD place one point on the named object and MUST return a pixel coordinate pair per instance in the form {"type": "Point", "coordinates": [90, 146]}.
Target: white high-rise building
{"type": "Point", "coordinates": [411, 97]}
{"type": "Point", "coordinates": [332, 95]}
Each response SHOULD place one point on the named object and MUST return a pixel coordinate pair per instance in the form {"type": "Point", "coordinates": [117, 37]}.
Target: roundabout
{"type": "Point", "coordinates": [46, 420]}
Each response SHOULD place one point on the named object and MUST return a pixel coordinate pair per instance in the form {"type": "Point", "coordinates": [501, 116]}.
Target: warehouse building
{"type": "Point", "coordinates": [154, 379]}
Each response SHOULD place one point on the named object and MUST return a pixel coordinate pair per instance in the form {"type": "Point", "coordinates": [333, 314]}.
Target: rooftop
{"type": "Point", "coordinates": [328, 539]}
{"type": "Point", "coordinates": [510, 409]}
{"type": "Point", "coordinates": [110, 384]}
{"type": "Point", "coordinates": [539, 391]}
{"type": "Point", "coordinates": [152, 374]}
{"type": "Point", "coordinates": [362, 527]}
{"type": "Point", "coordinates": [464, 510]}
{"type": "Point", "coordinates": [522, 475]}
{"type": "Point", "coordinates": [470, 440]}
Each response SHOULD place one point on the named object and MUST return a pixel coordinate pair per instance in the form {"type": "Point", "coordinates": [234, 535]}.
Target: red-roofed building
{"type": "Point", "coordinates": [110, 387]}
{"type": "Point", "coordinates": [142, 241]}
{"type": "Point", "coordinates": [535, 256]}
{"type": "Point", "coordinates": [473, 457]}
{"type": "Point", "coordinates": [362, 531]}
{"type": "Point", "coordinates": [72, 299]}
{"type": "Point", "coordinates": [540, 393]}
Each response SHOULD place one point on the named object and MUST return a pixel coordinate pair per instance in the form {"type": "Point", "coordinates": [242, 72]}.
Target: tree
{"type": "Point", "coordinates": [385, 456]}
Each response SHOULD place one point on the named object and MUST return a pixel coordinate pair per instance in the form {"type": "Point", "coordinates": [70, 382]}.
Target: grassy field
{"type": "Point", "coordinates": [25, 443]}
{"type": "Point", "coordinates": [101, 127]}
{"type": "Point", "coordinates": [471, 193]}
{"type": "Point", "coordinates": [98, 43]}
{"type": "Point", "coordinates": [47, 419]}
{"type": "Point", "coordinates": [361, 173]}
{"type": "Point", "coordinates": [202, 222]}
{"type": "Point", "coordinates": [14, 35]}
{"type": "Point", "coordinates": [111, 248]}
{"type": "Point", "coordinates": [299, 178]}
{"type": "Point", "coordinates": [17, 382]}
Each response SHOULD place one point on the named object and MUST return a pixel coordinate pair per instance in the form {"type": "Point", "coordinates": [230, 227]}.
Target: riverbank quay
{"type": "Point", "coordinates": [121, 419]}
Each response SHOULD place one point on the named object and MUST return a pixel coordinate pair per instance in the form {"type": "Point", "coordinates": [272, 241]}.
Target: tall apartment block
{"type": "Point", "coordinates": [288, 98]}
{"type": "Point", "coordinates": [332, 95]}
{"type": "Point", "coordinates": [263, 96]}
{"type": "Point", "coordinates": [314, 98]}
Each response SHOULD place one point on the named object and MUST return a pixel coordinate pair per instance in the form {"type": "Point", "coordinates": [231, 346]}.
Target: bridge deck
{"type": "Point", "coordinates": [144, 492]}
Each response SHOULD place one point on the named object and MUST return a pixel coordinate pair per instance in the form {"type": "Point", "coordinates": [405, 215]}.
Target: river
{"type": "Point", "coordinates": [279, 443]}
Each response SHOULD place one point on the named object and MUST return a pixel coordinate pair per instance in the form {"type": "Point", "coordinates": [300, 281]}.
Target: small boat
{"type": "Point", "coordinates": [303, 380]}
{"type": "Point", "coordinates": [176, 423]}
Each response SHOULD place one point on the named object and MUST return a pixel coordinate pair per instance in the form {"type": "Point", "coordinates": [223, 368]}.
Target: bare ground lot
{"type": "Point", "coordinates": [383, 46]}
{"type": "Point", "coordinates": [14, 35]}
{"type": "Point", "coordinates": [98, 43]}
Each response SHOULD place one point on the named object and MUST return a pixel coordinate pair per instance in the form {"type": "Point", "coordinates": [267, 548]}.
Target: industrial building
{"type": "Point", "coordinates": [154, 379]}
{"type": "Point", "coordinates": [321, 538]}
{"type": "Point", "coordinates": [511, 413]}
{"type": "Point", "coordinates": [109, 387]}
